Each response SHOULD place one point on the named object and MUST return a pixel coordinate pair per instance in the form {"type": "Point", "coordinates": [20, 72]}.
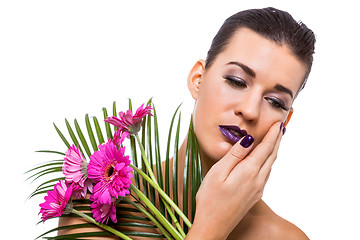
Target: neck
{"type": "Point", "coordinates": [206, 162]}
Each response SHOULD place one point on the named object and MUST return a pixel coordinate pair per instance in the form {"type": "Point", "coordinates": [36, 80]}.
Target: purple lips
{"type": "Point", "coordinates": [232, 132]}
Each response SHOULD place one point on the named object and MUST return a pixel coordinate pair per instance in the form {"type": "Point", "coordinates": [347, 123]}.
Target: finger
{"type": "Point", "coordinates": [235, 155]}
{"type": "Point", "coordinates": [267, 176]}
{"type": "Point", "coordinates": [266, 167]}
{"type": "Point", "coordinates": [266, 147]}
{"type": "Point", "coordinates": [251, 166]}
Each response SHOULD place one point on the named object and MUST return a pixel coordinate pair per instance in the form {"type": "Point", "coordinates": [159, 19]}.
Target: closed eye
{"type": "Point", "coordinates": [235, 81]}
{"type": "Point", "coordinates": [277, 103]}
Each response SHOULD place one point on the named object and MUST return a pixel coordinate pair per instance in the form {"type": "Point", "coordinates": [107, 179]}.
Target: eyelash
{"type": "Point", "coordinates": [235, 82]}
{"type": "Point", "coordinates": [277, 103]}
{"type": "Point", "coordinates": [240, 83]}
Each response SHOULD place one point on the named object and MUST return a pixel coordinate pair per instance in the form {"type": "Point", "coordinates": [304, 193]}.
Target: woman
{"type": "Point", "coordinates": [244, 91]}
{"type": "Point", "coordinates": [257, 64]}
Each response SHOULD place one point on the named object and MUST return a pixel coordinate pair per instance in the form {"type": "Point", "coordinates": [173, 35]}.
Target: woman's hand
{"type": "Point", "coordinates": [232, 186]}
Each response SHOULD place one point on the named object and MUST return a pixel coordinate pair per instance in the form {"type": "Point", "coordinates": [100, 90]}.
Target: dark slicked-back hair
{"type": "Point", "coordinates": [273, 24]}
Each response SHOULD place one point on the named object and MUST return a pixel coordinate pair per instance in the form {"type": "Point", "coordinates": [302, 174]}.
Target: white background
{"type": "Point", "coordinates": [63, 59]}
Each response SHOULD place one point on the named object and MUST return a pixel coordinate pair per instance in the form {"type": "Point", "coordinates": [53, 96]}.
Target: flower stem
{"type": "Point", "coordinates": [157, 213]}
{"type": "Point", "coordinates": [103, 226]}
{"type": "Point", "coordinates": [173, 217]}
{"type": "Point", "coordinates": [147, 214]}
{"type": "Point", "coordinates": [146, 161]}
{"type": "Point", "coordinates": [163, 195]}
{"type": "Point", "coordinates": [167, 200]}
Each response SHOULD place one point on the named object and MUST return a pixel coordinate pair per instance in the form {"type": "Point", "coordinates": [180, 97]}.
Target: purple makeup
{"type": "Point", "coordinates": [247, 141]}
{"type": "Point", "coordinates": [232, 132]}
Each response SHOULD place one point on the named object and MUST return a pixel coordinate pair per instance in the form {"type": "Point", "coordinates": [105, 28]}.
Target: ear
{"type": "Point", "coordinates": [288, 117]}
{"type": "Point", "coordinates": [195, 77]}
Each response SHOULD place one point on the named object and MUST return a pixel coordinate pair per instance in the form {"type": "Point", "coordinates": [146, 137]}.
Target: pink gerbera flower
{"type": "Point", "coordinates": [109, 167]}
{"type": "Point", "coordinates": [57, 201]}
{"type": "Point", "coordinates": [118, 138]}
{"type": "Point", "coordinates": [75, 171]}
{"type": "Point", "coordinates": [128, 122]}
{"type": "Point", "coordinates": [102, 212]}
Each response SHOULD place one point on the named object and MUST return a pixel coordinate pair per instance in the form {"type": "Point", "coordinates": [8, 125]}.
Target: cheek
{"type": "Point", "coordinates": [204, 113]}
{"type": "Point", "coordinates": [260, 132]}
{"type": "Point", "coordinates": [215, 99]}
{"type": "Point", "coordinates": [207, 106]}
{"type": "Point", "coordinates": [212, 109]}
{"type": "Point", "coordinates": [267, 119]}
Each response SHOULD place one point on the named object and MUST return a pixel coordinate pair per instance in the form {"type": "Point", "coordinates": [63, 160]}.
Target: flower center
{"type": "Point", "coordinates": [109, 172]}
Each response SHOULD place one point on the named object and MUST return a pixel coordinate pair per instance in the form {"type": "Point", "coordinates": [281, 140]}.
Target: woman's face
{"type": "Point", "coordinates": [251, 84]}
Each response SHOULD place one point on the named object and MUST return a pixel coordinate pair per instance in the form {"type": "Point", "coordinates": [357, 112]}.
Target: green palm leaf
{"type": "Point", "coordinates": [98, 130]}
{"type": "Point", "coordinates": [82, 138]}
{"type": "Point", "coordinates": [175, 163]}
{"type": "Point", "coordinates": [72, 135]}
{"type": "Point", "coordinates": [107, 125]}
{"type": "Point", "coordinates": [62, 136]}
{"type": "Point", "coordinates": [90, 133]}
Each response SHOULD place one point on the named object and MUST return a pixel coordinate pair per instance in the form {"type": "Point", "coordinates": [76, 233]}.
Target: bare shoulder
{"type": "Point", "coordinates": [262, 223]}
{"type": "Point", "coordinates": [283, 229]}
{"type": "Point", "coordinates": [277, 227]}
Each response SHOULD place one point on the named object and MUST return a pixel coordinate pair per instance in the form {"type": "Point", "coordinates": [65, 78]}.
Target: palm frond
{"type": "Point", "coordinates": [73, 136]}
{"type": "Point", "coordinates": [175, 163]}
{"type": "Point", "coordinates": [49, 151]}
{"type": "Point", "coordinates": [107, 125]}
{"type": "Point", "coordinates": [98, 130]}
{"type": "Point", "coordinates": [167, 160]}
{"type": "Point", "coordinates": [82, 138]}
{"type": "Point", "coordinates": [90, 133]}
{"type": "Point", "coordinates": [74, 226]}
{"type": "Point", "coordinates": [61, 136]}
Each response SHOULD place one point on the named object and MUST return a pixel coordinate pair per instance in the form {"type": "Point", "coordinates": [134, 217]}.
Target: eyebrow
{"type": "Point", "coordinates": [284, 89]}
{"type": "Point", "coordinates": [251, 72]}
{"type": "Point", "coordinates": [246, 69]}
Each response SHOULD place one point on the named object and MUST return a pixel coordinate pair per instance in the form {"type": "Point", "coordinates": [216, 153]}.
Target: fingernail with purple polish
{"type": "Point", "coordinates": [281, 125]}
{"type": "Point", "coordinates": [284, 130]}
{"type": "Point", "coordinates": [247, 141]}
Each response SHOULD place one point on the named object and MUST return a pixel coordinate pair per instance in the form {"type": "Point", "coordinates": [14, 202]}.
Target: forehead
{"type": "Point", "coordinates": [269, 60]}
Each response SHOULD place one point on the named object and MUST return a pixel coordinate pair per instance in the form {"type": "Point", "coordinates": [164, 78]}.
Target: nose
{"type": "Point", "coordinates": [249, 106]}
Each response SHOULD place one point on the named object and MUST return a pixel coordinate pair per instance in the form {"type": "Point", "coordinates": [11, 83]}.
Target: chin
{"type": "Point", "coordinates": [217, 151]}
